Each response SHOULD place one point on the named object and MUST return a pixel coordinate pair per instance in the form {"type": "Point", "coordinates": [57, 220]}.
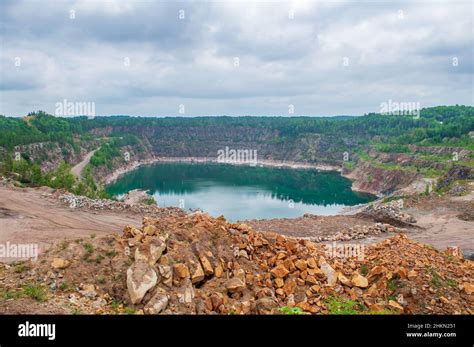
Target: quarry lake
{"type": "Point", "coordinates": [242, 192]}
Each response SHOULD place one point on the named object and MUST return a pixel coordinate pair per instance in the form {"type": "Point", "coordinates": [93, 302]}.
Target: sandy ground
{"type": "Point", "coordinates": [29, 216]}
{"type": "Point", "coordinates": [440, 224]}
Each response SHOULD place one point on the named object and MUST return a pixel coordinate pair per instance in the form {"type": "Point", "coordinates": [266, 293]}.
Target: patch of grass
{"type": "Point", "coordinates": [291, 310]}
{"type": "Point", "coordinates": [452, 283]}
{"type": "Point", "coordinates": [89, 247]}
{"type": "Point", "coordinates": [148, 201]}
{"type": "Point", "coordinates": [393, 284]}
{"type": "Point", "coordinates": [99, 259]}
{"type": "Point", "coordinates": [382, 312]}
{"type": "Point", "coordinates": [111, 254]}
{"type": "Point", "coordinates": [7, 294]}
{"type": "Point", "coordinates": [64, 245]}
{"type": "Point", "coordinates": [430, 246]}
{"type": "Point", "coordinates": [349, 165]}
{"type": "Point", "coordinates": [35, 291]}
{"type": "Point", "coordinates": [101, 279]}
{"type": "Point", "coordinates": [435, 279]}
{"type": "Point", "coordinates": [115, 305]}
{"type": "Point", "coordinates": [63, 286]}
{"type": "Point", "coordinates": [339, 305]}
{"type": "Point", "coordinates": [20, 268]}
{"type": "Point", "coordinates": [92, 236]}
{"type": "Point", "coordinates": [364, 270]}
{"type": "Point", "coordinates": [129, 310]}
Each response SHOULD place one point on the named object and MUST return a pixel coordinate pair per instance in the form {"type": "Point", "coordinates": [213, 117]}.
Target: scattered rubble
{"type": "Point", "coordinates": [137, 203]}
{"type": "Point", "coordinates": [388, 213]}
{"type": "Point", "coordinates": [195, 265]}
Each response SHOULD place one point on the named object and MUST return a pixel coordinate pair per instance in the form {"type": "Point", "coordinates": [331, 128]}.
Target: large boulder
{"type": "Point", "coordinates": [141, 277]}
{"type": "Point", "coordinates": [150, 252]}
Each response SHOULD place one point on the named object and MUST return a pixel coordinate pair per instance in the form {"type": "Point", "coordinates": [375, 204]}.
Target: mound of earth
{"type": "Point", "coordinates": [197, 264]}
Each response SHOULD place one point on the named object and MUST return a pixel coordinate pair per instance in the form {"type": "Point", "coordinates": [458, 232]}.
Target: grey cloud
{"type": "Point", "coordinates": [191, 61]}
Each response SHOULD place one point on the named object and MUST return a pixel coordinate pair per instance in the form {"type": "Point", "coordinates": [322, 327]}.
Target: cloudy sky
{"type": "Point", "coordinates": [234, 57]}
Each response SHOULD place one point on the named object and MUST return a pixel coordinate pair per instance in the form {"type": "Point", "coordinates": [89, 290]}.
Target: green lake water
{"type": "Point", "coordinates": [242, 192]}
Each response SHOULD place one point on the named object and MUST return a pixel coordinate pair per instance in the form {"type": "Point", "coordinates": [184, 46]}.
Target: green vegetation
{"type": "Point", "coordinates": [291, 310]}
{"type": "Point", "coordinates": [20, 268]}
{"type": "Point", "coordinates": [111, 254]}
{"type": "Point", "coordinates": [35, 291]}
{"type": "Point", "coordinates": [88, 247]}
{"type": "Point", "coordinates": [437, 126]}
{"type": "Point", "coordinates": [7, 294]}
{"type": "Point", "coordinates": [340, 305]}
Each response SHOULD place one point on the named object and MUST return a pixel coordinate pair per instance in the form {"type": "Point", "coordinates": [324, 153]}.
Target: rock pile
{"type": "Point", "coordinates": [358, 232]}
{"type": "Point", "coordinates": [205, 265]}
{"type": "Point", "coordinates": [389, 213]}
{"type": "Point", "coordinates": [78, 201]}
{"type": "Point", "coordinates": [196, 264]}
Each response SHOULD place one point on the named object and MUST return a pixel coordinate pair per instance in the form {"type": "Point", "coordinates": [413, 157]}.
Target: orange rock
{"type": "Point", "coordinates": [402, 272]}
{"type": "Point", "coordinates": [279, 282]}
{"type": "Point", "coordinates": [443, 300]}
{"type": "Point", "coordinates": [304, 274]}
{"type": "Point", "coordinates": [375, 271]}
{"type": "Point", "coordinates": [311, 280]}
{"type": "Point", "coordinates": [376, 308]}
{"type": "Point", "coordinates": [219, 271]}
{"type": "Point", "coordinates": [359, 281]}
{"type": "Point", "coordinates": [344, 280]}
{"type": "Point", "coordinates": [280, 238]}
{"type": "Point", "coordinates": [206, 265]}
{"type": "Point", "coordinates": [280, 271]}
{"type": "Point", "coordinates": [301, 265]}
{"type": "Point", "coordinates": [468, 288]}
{"type": "Point", "coordinates": [181, 270]}
{"type": "Point", "coordinates": [412, 274]}
{"type": "Point", "coordinates": [311, 263]}
{"type": "Point", "coordinates": [289, 287]}
{"type": "Point", "coordinates": [395, 305]}
{"type": "Point", "coordinates": [289, 264]}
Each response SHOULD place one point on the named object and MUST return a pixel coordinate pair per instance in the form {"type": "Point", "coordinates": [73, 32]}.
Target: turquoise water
{"type": "Point", "coordinates": [242, 192]}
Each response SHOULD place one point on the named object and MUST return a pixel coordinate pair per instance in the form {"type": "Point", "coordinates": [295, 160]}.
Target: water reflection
{"type": "Point", "coordinates": [241, 192]}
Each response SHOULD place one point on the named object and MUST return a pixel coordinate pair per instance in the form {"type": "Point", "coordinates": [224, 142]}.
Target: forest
{"type": "Point", "coordinates": [437, 126]}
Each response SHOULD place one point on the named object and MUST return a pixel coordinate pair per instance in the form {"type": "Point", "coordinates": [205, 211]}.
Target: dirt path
{"type": "Point", "coordinates": [77, 170]}
{"type": "Point", "coordinates": [29, 216]}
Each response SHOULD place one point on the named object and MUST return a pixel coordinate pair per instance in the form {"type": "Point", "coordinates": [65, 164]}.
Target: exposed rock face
{"type": "Point", "coordinates": [369, 179]}
{"type": "Point", "coordinates": [457, 172]}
